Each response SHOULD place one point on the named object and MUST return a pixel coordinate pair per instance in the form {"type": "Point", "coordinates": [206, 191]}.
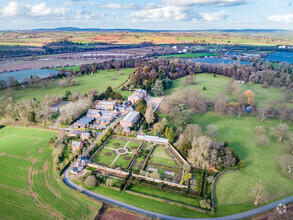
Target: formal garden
{"type": "Point", "coordinates": [148, 170]}
{"type": "Point", "coordinates": [117, 152]}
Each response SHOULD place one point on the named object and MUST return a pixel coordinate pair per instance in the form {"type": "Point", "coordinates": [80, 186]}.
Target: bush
{"type": "Point", "coordinates": [108, 133]}
{"type": "Point", "coordinates": [99, 143]}
{"type": "Point", "coordinates": [210, 179]}
{"type": "Point", "coordinates": [204, 204]}
{"type": "Point", "coordinates": [204, 88]}
{"type": "Point", "coordinates": [260, 130]}
{"type": "Point", "coordinates": [103, 138]}
{"type": "Point", "coordinates": [90, 181]}
{"type": "Point", "coordinates": [263, 140]}
{"type": "Point", "coordinates": [241, 164]}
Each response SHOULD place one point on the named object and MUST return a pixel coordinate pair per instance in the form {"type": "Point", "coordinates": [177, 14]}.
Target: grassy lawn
{"type": "Point", "coordinates": [159, 151]}
{"type": "Point", "coordinates": [159, 155]}
{"type": "Point", "coordinates": [217, 85]}
{"type": "Point", "coordinates": [163, 161]}
{"type": "Point", "coordinates": [133, 145]}
{"type": "Point", "coordinates": [124, 93]}
{"type": "Point", "coordinates": [138, 160]}
{"type": "Point", "coordinates": [191, 55]}
{"type": "Point", "coordinates": [113, 141]}
{"type": "Point", "coordinates": [102, 158]}
{"type": "Point", "coordinates": [123, 163]}
{"type": "Point", "coordinates": [261, 162]}
{"type": "Point", "coordinates": [30, 188]}
{"type": "Point", "coordinates": [149, 204]}
{"type": "Point", "coordinates": [99, 81]}
{"type": "Point", "coordinates": [164, 195]}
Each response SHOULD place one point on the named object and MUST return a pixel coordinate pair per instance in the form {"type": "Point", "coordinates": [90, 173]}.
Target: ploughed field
{"type": "Point", "coordinates": [29, 186]}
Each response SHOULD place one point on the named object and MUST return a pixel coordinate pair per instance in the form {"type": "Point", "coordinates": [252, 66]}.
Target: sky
{"type": "Point", "coordinates": [147, 14]}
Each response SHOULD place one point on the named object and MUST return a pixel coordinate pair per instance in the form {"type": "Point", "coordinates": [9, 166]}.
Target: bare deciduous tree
{"type": "Point", "coordinates": [286, 162]}
{"type": "Point", "coordinates": [149, 115]}
{"type": "Point", "coordinates": [263, 112]}
{"type": "Point", "coordinates": [259, 194]}
{"type": "Point", "coordinates": [280, 131]}
{"type": "Point", "coordinates": [220, 105]}
{"type": "Point", "coordinates": [212, 131]}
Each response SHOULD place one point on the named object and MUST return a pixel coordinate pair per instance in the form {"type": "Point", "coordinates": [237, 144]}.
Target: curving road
{"type": "Point", "coordinates": [161, 216]}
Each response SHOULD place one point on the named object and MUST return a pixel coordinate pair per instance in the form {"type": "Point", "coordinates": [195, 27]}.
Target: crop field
{"type": "Point", "coordinates": [217, 85]}
{"type": "Point", "coordinates": [160, 156]}
{"type": "Point", "coordinates": [261, 162]}
{"type": "Point", "coordinates": [29, 186]}
{"type": "Point", "coordinates": [99, 81]}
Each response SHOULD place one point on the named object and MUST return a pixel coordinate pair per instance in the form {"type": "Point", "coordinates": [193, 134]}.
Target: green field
{"type": "Point", "coordinates": [191, 55]}
{"type": "Point", "coordinates": [261, 162]}
{"type": "Point", "coordinates": [217, 85]}
{"type": "Point", "coordinates": [29, 186]}
{"type": "Point", "coordinates": [99, 81]}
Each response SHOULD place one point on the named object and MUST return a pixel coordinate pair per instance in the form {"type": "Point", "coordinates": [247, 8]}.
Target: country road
{"type": "Point", "coordinates": [250, 213]}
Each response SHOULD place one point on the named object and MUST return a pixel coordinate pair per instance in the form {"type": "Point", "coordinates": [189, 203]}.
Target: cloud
{"type": "Point", "coordinates": [15, 9]}
{"type": "Point", "coordinates": [211, 16]}
{"type": "Point", "coordinates": [119, 6]}
{"type": "Point", "coordinates": [287, 18]}
{"type": "Point", "coordinates": [175, 13]}
{"type": "Point", "coordinates": [205, 2]}
{"type": "Point", "coordinates": [162, 14]}
{"type": "Point", "coordinates": [86, 14]}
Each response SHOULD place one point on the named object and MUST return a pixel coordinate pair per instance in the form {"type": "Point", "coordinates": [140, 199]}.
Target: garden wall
{"type": "Point", "coordinates": [109, 170]}
{"type": "Point", "coordinates": [160, 181]}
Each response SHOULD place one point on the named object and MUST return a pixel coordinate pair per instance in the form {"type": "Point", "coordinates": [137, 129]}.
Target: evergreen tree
{"type": "Point", "coordinates": [158, 88]}
{"type": "Point", "coordinates": [166, 131]}
{"type": "Point", "coordinates": [171, 135]}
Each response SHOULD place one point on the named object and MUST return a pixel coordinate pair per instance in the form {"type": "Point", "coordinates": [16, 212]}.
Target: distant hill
{"type": "Point", "coordinates": [142, 30]}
